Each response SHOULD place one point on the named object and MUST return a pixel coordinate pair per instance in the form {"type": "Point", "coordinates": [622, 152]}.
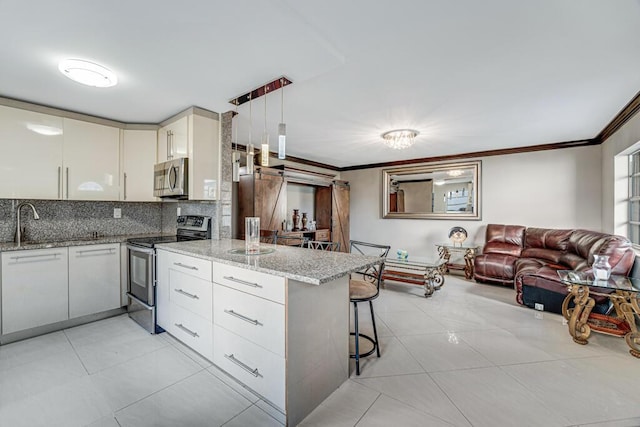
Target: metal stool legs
{"type": "Point", "coordinates": [358, 335]}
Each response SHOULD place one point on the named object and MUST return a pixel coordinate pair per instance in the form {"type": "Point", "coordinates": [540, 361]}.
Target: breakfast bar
{"type": "Point", "coordinates": [277, 322]}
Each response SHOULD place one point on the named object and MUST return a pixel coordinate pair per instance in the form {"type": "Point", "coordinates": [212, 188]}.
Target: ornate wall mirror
{"type": "Point", "coordinates": [432, 191]}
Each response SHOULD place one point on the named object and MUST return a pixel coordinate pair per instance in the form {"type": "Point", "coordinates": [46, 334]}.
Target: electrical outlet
{"type": "Point", "coordinates": [539, 307]}
{"type": "Point", "coordinates": [178, 211]}
{"type": "Point", "coordinates": [117, 213]}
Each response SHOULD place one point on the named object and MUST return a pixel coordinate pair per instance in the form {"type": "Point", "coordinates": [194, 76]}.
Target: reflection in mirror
{"type": "Point", "coordinates": [437, 191]}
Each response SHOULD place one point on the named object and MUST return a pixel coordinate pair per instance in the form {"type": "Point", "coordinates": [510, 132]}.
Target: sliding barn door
{"type": "Point", "coordinates": [340, 214]}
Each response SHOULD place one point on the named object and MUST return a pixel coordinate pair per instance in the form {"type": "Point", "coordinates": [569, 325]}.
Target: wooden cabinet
{"type": "Point", "coordinates": [34, 288]}
{"type": "Point", "coordinates": [264, 194]}
{"type": "Point", "coordinates": [138, 158]}
{"type": "Point", "coordinates": [94, 279]}
{"type": "Point", "coordinates": [91, 161]}
{"type": "Point", "coordinates": [194, 134]}
{"type": "Point", "coordinates": [31, 150]}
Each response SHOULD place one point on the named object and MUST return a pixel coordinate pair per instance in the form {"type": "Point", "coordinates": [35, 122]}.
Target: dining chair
{"type": "Point", "coordinates": [324, 246]}
{"type": "Point", "coordinates": [364, 286]}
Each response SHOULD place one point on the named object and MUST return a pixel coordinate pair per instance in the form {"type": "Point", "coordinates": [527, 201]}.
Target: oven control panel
{"type": "Point", "coordinates": [194, 222]}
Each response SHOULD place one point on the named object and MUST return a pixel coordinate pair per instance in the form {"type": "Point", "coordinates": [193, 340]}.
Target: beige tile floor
{"type": "Point", "coordinates": [468, 356]}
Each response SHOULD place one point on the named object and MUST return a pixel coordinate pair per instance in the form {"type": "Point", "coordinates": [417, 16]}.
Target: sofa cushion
{"type": "Point", "coordinates": [501, 248]}
{"type": "Point", "coordinates": [547, 238]}
{"type": "Point", "coordinates": [509, 234]}
{"type": "Point", "coordinates": [585, 243]}
{"type": "Point", "coordinates": [495, 267]}
{"type": "Point", "coordinates": [573, 261]}
{"type": "Point", "coordinates": [551, 255]}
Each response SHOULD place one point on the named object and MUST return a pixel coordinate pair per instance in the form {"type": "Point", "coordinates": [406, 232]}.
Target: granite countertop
{"type": "Point", "coordinates": [78, 241]}
{"type": "Point", "coordinates": [305, 265]}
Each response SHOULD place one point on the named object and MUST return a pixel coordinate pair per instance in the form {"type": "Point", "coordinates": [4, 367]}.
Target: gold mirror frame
{"type": "Point", "coordinates": [464, 176]}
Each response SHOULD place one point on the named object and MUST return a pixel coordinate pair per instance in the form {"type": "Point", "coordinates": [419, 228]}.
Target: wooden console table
{"type": "Point", "coordinates": [469, 252]}
{"type": "Point", "coordinates": [416, 271]}
{"type": "Point", "coordinates": [625, 303]}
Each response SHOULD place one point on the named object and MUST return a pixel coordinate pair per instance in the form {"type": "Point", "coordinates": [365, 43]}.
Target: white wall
{"type": "Point", "coordinates": [300, 197]}
{"type": "Point", "coordinates": [614, 175]}
{"type": "Point", "coordinates": [555, 189]}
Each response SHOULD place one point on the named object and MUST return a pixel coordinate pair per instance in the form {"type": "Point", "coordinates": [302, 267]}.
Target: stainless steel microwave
{"type": "Point", "coordinates": [171, 179]}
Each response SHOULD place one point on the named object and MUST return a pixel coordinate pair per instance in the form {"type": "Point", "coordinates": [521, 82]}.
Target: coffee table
{"type": "Point", "coordinates": [416, 271]}
{"type": "Point", "coordinates": [624, 297]}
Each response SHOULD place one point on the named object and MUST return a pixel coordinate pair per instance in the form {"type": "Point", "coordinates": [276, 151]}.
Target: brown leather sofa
{"type": "Point", "coordinates": [529, 258]}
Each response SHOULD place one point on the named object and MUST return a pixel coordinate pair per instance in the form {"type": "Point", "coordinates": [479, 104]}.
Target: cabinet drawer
{"type": "Point", "coordinates": [191, 293]}
{"type": "Point", "coordinates": [323, 235]}
{"type": "Point", "coordinates": [195, 266]}
{"type": "Point", "coordinates": [253, 282]}
{"type": "Point", "coordinates": [259, 320]}
{"type": "Point", "coordinates": [250, 364]}
{"type": "Point", "coordinates": [192, 330]}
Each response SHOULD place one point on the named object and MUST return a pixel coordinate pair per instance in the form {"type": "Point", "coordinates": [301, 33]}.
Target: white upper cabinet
{"type": "Point", "coordinates": [138, 158]}
{"type": "Point", "coordinates": [173, 140]}
{"type": "Point", "coordinates": [197, 137]}
{"type": "Point", "coordinates": [31, 160]}
{"type": "Point", "coordinates": [204, 158]}
{"type": "Point", "coordinates": [91, 161]}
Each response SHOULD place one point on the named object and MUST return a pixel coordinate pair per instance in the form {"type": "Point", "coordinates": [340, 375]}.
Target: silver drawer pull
{"type": "Point", "coordinates": [242, 282]}
{"type": "Point", "coordinates": [110, 250]}
{"type": "Point", "coordinates": [190, 267]}
{"type": "Point", "coordinates": [187, 294]}
{"type": "Point", "coordinates": [193, 334]}
{"type": "Point", "coordinates": [35, 256]}
{"type": "Point", "coordinates": [253, 372]}
{"type": "Point", "coordinates": [245, 318]}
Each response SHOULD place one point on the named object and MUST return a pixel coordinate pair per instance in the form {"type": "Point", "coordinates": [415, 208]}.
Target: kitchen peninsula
{"type": "Point", "coordinates": [276, 322]}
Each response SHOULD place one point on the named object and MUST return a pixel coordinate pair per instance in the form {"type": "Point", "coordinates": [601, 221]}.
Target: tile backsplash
{"type": "Point", "coordinates": [66, 220]}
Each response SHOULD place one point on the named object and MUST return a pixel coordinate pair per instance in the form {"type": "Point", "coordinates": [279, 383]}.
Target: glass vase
{"type": "Point", "coordinates": [601, 267]}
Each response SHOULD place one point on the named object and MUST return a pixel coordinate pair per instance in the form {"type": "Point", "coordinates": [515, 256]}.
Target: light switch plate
{"type": "Point", "coordinates": [117, 213]}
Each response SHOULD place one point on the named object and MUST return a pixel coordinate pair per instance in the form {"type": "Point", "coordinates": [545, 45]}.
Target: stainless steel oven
{"type": "Point", "coordinates": [141, 287]}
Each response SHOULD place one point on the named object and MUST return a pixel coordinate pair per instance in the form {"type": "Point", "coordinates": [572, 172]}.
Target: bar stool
{"type": "Point", "coordinates": [365, 287]}
{"type": "Point", "coordinates": [324, 246]}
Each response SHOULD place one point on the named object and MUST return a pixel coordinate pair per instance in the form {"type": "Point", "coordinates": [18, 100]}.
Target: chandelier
{"type": "Point", "coordinates": [400, 138]}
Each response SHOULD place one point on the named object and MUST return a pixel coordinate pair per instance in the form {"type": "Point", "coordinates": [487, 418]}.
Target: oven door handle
{"type": "Point", "coordinates": [136, 248]}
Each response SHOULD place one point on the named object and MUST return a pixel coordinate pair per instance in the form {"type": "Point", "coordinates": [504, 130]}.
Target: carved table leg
{"type": "Point", "coordinates": [445, 255]}
{"type": "Point", "coordinates": [578, 315]}
{"type": "Point", "coordinates": [469, 257]}
{"type": "Point", "coordinates": [433, 281]}
{"type": "Point", "coordinates": [630, 309]}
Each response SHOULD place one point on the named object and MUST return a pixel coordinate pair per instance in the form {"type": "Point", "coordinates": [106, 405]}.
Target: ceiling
{"type": "Point", "coordinates": [468, 75]}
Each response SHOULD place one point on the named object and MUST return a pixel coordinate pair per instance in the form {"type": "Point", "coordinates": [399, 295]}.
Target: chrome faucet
{"type": "Point", "coordinates": [19, 231]}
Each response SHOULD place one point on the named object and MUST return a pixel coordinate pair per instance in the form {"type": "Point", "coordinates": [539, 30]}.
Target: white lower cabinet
{"type": "Point", "coordinates": [34, 288]}
{"type": "Point", "coordinates": [191, 329]}
{"type": "Point", "coordinates": [94, 279]}
{"type": "Point", "coordinates": [250, 364]}
{"type": "Point", "coordinates": [45, 286]}
{"type": "Point", "coordinates": [258, 320]}
{"type": "Point", "coordinates": [184, 300]}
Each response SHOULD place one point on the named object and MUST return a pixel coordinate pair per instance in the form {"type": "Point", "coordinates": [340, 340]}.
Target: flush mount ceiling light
{"type": "Point", "coordinates": [400, 138]}
{"type": "Point", "coordinates": [88, 73]}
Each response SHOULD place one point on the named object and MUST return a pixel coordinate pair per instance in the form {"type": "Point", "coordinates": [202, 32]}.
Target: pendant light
{"type": "Point", "coordinates": [250, 152]}
{"type": "Point", "coordinates": [282, 128]}
{"type": "Point", "coordinates": [264, 148]}
{"type": "Point", "coordinates": [235, 155]}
